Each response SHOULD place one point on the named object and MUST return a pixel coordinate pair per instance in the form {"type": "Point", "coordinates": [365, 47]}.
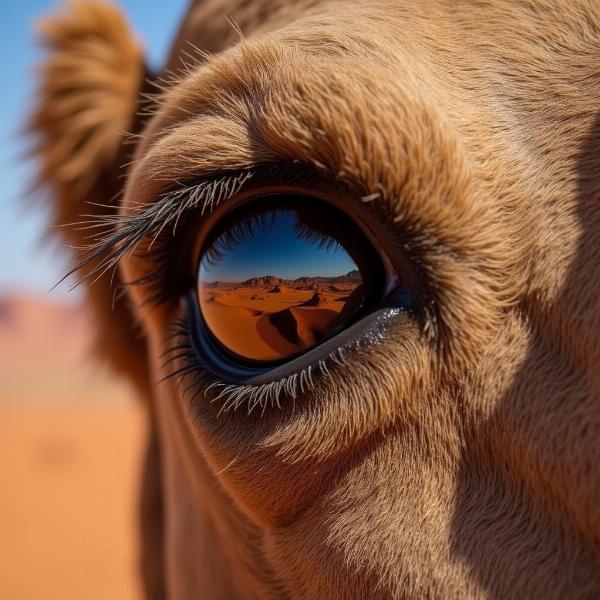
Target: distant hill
{"type": "Point", "coordinates": [270, 281]}
{"type": "Point", "coordinates": [267, 281]}
{"type": "Point", "coordinates": [46, 352]}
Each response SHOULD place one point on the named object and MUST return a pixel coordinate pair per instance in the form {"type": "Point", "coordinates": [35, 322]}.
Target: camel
{"type": "Point", "coordinates": [454, 453]}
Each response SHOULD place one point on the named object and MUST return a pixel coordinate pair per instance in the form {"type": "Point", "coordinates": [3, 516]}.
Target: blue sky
{"type": "Point", "coordinates": [277, 250]}
{"type": "Point", "coordinates": [26, 264]}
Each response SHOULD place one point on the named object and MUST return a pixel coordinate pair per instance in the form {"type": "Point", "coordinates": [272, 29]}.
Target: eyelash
{"type": "Point", "coordinates": [121, 235]}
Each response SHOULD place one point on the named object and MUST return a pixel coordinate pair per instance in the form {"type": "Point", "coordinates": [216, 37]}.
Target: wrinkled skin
{"type": "Point", "coordinates": [458, 457]}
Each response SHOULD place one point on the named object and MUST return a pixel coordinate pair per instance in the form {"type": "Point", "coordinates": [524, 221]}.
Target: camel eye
{"type": "Point", "coordinates": [280, 275]}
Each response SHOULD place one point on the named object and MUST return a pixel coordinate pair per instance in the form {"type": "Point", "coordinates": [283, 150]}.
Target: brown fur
{"type": "Point", "coordinates": [460, 458]}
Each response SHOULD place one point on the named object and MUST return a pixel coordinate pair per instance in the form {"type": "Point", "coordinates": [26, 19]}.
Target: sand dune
{"type": "Point", "coordinates": [301, 327]}
{"type": "Point", "coordinates": [257, 323]}
{"type": "Point", "coordinates": [317, 299]}
{"type": "Point", "coordinates": [235, 327]}
{"type": "Point", "coordinates": [243, 311]}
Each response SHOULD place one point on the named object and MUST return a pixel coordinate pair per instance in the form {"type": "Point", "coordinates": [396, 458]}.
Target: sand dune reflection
{"type": "Point", "coordinates": [269, 321]}
{"type": "Point", "coordinates": [316, 260]}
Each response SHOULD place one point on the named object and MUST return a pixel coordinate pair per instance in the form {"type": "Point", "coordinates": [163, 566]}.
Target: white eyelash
{"type": "Point", "coordinates": [209, 194]}
{"type": "Point", "coordinates": [234, 396]}
{"type": "Point", "coordinates": [267, 394]}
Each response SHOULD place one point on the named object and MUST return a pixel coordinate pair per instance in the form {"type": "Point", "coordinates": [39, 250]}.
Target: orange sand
{"type": "Point", "coordinates": [67, 505]}
{"type": "Point", "coordinates": [259, 323]}
{"type": "Point", "coordinates": [70, 445]}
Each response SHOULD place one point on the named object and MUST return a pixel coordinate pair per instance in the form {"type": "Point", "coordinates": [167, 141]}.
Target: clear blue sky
{"type": "Point", "coordinates": [277, 250]}
{"type": "Point", "coordinates": [25, 263]}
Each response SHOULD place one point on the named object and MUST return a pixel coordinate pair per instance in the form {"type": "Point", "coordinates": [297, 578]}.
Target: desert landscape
{"type": "Point", "coordinates": [270, 318]}
{"type": "Point", "coordinates": [71, 437]}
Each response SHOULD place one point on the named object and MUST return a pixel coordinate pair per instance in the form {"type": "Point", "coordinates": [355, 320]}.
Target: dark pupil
{"type": "Point", "coordinates": [281, 275]}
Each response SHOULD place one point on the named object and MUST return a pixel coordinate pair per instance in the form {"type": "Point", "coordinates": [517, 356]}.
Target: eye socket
{"type": "Point", "coordinates": [282, 274]}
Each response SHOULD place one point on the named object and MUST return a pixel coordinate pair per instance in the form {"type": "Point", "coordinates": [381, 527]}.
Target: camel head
{"type": "Point", "coordinates": [423, 422]}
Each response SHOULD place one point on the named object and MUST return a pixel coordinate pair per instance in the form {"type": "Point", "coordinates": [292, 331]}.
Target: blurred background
{"type": "Point", "coordinates": [71, 434]}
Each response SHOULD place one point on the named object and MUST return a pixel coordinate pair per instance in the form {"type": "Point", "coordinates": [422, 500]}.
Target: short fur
{"type": "Point", "coordinates": [459, 458]}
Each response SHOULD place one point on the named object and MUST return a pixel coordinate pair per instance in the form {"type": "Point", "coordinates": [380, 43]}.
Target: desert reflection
{"type": "Point", "coordinates": [273, 317]}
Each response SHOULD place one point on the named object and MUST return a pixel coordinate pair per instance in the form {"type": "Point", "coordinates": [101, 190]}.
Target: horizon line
{"type": "Point", "coordinates": [282, 278]}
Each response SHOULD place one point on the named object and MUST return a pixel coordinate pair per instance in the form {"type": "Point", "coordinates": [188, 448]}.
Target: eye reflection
{"type": "Point", "coordinates": [280, 275]}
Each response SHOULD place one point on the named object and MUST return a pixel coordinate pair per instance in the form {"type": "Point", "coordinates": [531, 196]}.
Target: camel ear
{"type": "Point", "coordinates": [88, 92]}
{"type": "Point", "coordinates": [89, 86]}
